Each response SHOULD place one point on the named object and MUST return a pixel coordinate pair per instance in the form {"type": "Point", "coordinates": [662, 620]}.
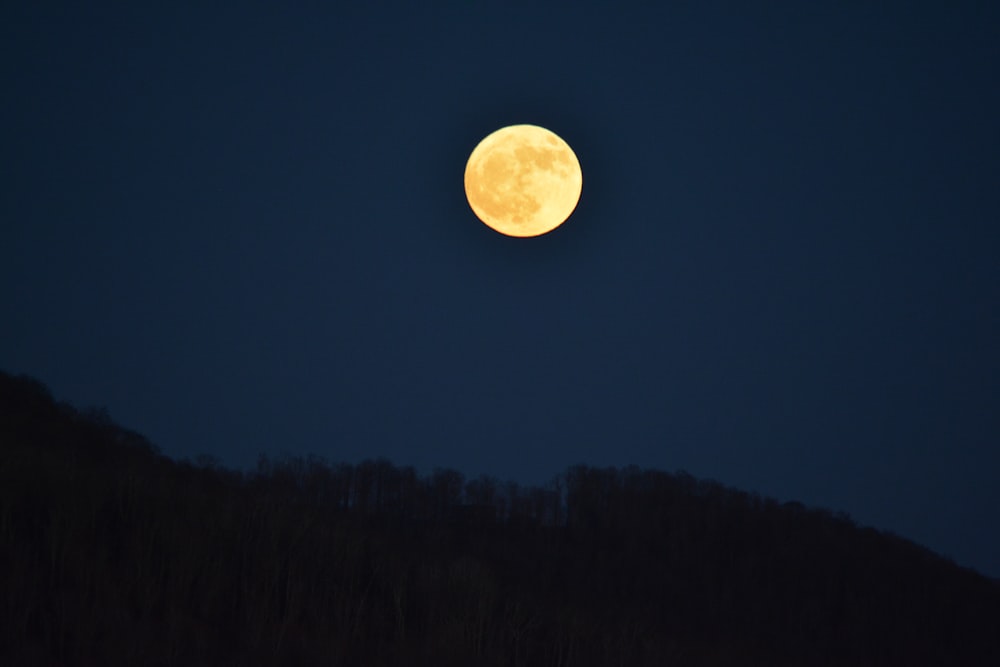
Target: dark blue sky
{"type": "Point", "coordinates": [244, 231]}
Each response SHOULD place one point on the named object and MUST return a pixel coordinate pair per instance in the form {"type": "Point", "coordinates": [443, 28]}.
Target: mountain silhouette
{"type": "Point", "coordinates": [112, 553]}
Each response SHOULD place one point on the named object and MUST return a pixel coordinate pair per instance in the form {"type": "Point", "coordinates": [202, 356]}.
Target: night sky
{"type": "Point", "coordinates": [243, 230]}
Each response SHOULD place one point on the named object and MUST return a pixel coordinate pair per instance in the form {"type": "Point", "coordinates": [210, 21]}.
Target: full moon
{"type": "Point", "coordinates": [523, 180]}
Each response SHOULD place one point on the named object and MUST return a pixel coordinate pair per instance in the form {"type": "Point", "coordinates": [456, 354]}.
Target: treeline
{"type": "Point", "coordinates": [111, 553]}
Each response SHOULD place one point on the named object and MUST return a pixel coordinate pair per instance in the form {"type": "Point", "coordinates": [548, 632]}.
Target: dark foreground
{"type": "Point", "coordinates": [113, 554]}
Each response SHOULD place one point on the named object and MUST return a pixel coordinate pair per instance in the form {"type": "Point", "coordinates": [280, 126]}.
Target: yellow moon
{"type": "Point", "coordinates": [523, 180]}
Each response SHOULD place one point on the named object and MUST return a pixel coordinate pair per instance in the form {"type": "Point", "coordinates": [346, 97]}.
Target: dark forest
{"type": "Point", "coordinates": [111, 553]}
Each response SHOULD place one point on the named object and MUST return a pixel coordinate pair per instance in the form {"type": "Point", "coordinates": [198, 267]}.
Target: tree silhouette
{"type": "Point", "coordinates": [111, 553]}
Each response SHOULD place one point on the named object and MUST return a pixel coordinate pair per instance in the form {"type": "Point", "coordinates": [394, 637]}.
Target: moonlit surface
{"type": "Point", "coordinates": [523, 180]}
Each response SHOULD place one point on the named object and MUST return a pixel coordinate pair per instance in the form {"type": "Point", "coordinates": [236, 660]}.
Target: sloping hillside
{"type": "Point", "coordinates": [113, 554]}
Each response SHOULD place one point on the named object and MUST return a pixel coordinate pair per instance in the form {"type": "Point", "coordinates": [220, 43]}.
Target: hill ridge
{"type": "Point", "coordinates": [302, 561]}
